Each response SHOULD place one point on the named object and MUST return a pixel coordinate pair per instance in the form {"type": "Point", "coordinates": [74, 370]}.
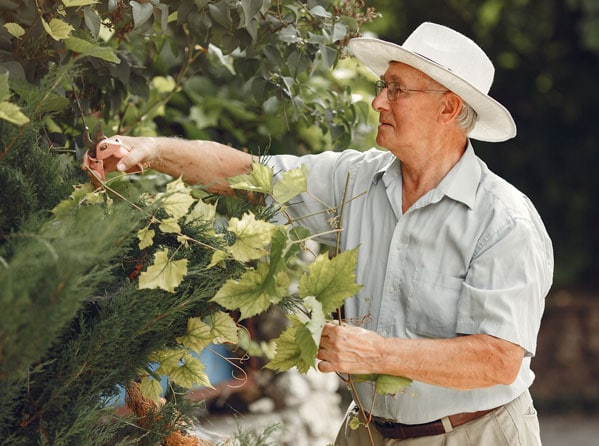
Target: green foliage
{"type": "Point", "coordinates": [32, 179]}
{"type": "Point", "coordinates": [88, 328]}
{"type": "Point", "coordinates": [221, 70]}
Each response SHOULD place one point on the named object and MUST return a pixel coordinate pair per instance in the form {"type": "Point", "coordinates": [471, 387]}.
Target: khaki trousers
{"type": "Point", "coordinates": [515, 424]}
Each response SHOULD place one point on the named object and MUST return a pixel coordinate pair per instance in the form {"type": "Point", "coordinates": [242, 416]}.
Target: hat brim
{"type": "Point", "coordinates": [494, 123]}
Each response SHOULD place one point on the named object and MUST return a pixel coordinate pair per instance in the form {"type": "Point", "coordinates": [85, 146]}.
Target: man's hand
{"type": "Point", "coordinates": [349, 349]}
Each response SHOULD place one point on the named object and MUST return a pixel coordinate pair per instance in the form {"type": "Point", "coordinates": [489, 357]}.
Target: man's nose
{"type": "Point", "coordinates": [380, 102]}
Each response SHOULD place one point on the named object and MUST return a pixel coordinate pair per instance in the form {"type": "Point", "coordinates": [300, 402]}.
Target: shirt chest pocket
{"type": "Point", "coordinates": [433, 304]}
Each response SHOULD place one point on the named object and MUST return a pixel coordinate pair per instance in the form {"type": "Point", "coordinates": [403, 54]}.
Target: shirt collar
{"type": "Point", "coordinates": [462, 181]}
{"type": "Point", "coordinates": [459, 184]}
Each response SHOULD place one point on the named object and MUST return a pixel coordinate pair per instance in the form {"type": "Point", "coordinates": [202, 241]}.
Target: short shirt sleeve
{"type": "Point", "coordinates": [503, 294]}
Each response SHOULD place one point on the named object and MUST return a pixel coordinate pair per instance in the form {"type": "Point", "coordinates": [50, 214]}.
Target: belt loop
{"type": "Point", "coordinates": [446, 424]}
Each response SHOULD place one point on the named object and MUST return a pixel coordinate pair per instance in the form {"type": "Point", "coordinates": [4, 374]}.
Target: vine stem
{"type": "Point", "coordinates": [349, 379]}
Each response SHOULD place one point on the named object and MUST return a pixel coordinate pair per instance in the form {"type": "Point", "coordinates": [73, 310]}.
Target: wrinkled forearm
{"type": "Point", "coordinates": [206, 163]}
{"type": "Point", "coordinates": [466, 362]}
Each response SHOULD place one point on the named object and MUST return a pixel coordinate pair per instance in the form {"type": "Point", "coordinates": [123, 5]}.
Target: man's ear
{"type": "Point", "coordinates": [452, 104]}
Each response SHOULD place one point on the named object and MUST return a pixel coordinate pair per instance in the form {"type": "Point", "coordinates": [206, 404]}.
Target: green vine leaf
{"type": "Point", "coordinates": [190, 372]}
{"type": "Point", "coordinates": [168, 360]}
{"type": "Point", "coordinates": [385, 384]}
{"type": "Point", "coordinates": [198, 335]}
{"type": "Point", "coordinates": [316, 320]}
{"type": "Point", "coordinates": [252, 293]}
{"type": "Point", "coordinates": [258, 180]}
{"type": "Point", "coordinates": [294, 348]}
{"type": "Point", "coordinates": [292, 183]}
{"type": "Point", "coordinates": [223, 328]}
{"type": "Point", "coordinates": [201, 213]}
{"type": "Point", "coordinates": [151, 388]}
{"type": "Point", "coordinates": [252, 237]}
{"type": "Point", "coordinates": [298, 345]}
{"type": "Point", "coordinates": [177, 199]}
{"type": "Point", "coordinates": [146, 237]}
{"type": "Point", "coordinates": [218, 328]}
{"type": "Point", "coordinates": [331, 280]}
{"type": "Point", "coordinates": [218, 258]}
{"type": "Point", "coordinates": [170, 226]}
{"type": "Point", "coordinates": [165, 273]}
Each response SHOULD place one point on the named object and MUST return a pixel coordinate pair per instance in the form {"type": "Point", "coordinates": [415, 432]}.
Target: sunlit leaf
{"type": "Point", "coordinates": [198, 335]}
{"type": "Point", "coordinates": [57, 29]}
{"type": "Point", "coordinates": [177, 199]}
{"type": "Point", "coordinates": [258, 180]}
{"type": "Point", "coordinates": [75, 3]}
{"type": "Point", "coordinates": [190, 372]}
{"type": "Point", "coordinates": [165, 273]}
{"type": "Point", "coordinates": [252, 237]}
{"type": "Point", "coordinates": [202, 212]}
{"type": "Point", "coordinates": [216, 329]}
{"type": "Point", "coordinates": [14, 29]}
{"type": "Point", "coordinates": [385, 384]}
{"type": "Point", "coordinates": [251, 294]}
{"type": "Point", "coordinates": [218, 258]}
{"type": "Point", "coordinates": [292, 183]}
{"type": "Point", "coordinates": [317, 318]}
{"type": "Point", "coordinates": [164, 84]}
{"type": "Point", "coordinates": [12, 113]}
{"type": "Point", "coordinates": [170, 226]}
{"type": "Point", "coordinates": [224, 328]}
{"type": "Point", "coordinates": [289, 352]}
{"type": "Point", "coordinates": [151, 388]}
{"type": "Point", "coordinates": [331, 281]}
{"type": "Point", "coordinates": [354, 423]}
{"type": "Point", "coordinates": [168, 360]}
{"type": "Point", "coordinates": [146, 237]}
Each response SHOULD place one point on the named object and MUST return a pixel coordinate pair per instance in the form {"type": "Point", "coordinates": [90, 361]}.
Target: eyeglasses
{"type": "Point", "coordinates": [395, 88]}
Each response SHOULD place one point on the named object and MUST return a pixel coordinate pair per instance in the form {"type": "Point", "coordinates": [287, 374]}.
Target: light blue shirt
{"type": "Point", "coordinates": [470, 256]}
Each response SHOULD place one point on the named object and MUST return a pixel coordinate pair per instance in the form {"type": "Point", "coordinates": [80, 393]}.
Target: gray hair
{"type": "Point", "coordinates": [467, 118]}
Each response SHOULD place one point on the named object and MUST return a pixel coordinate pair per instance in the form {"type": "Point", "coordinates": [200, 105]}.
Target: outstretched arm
{"type": "Point", "coordinates": [199, 162]}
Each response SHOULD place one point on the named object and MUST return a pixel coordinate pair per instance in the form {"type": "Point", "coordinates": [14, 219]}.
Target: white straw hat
{"type": "Point", "coordinates": [454, 61]}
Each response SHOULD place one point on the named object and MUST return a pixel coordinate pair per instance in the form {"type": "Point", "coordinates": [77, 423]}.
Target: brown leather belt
{"type": "Point", "coordinates": [399, 431]}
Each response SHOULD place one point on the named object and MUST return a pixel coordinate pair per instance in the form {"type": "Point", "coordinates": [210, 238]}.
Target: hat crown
{"type": "Point", "coordinates": [453, 51]}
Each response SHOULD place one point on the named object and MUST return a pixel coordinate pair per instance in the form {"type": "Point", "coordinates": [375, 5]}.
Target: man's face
{"type": "Point", "coordinates": [411, 120]}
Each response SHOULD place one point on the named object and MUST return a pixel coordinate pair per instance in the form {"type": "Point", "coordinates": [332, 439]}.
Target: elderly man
{"type": "Point", "coordinates": [455, 263]}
